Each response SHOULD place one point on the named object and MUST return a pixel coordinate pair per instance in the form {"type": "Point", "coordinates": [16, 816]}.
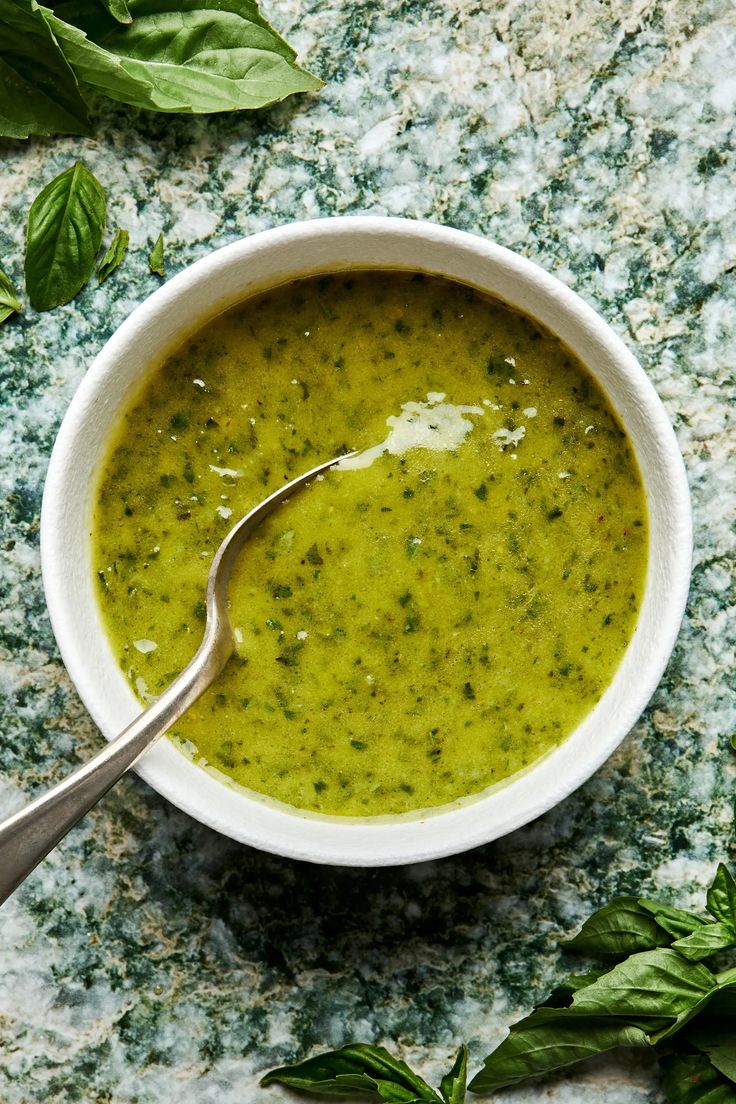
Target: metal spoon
{"type": "Point", "coordinates": [27, 836]}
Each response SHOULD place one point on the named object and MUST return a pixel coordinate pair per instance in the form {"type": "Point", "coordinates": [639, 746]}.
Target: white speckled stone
{"type": "Point", "coordinates": [149, 959]}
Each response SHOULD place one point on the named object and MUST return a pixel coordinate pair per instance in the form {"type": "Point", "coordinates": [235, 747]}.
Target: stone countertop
{"type": "Point", "coordinates": [149, 959]}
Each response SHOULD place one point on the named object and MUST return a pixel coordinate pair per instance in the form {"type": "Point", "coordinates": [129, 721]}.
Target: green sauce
{"type": "Point", "coordinates": [408, 632]}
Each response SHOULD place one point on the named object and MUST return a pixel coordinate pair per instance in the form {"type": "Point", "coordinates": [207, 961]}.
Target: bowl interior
{"type": "Point", "coordinates": [181, 307]}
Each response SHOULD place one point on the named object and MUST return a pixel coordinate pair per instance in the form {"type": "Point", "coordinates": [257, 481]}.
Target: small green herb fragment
{"type": "Point", "coordinates": [156, 257]}
{"type": "Point", "coordinates": [9, 302]}
{"type": "Point", "coordinates": [481, 492]}
{"type": "Point", "coordinates": [468, 692]}
{"type": "Point", "coordinates": [289, 657]}
{"type": "Point", "coordinates": [65, 225]}
{"type": "Point", "coordinates": [113, 258]}
{"type": "Point", "coordinates": [412, 546]}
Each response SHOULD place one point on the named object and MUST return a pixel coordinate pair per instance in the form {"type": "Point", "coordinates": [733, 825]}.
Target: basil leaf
{"type": "Point", "coordinates": [184, 55]}
{"type": "Point", "coordinates": [676, 921]}
{"type": "Point", "coordinates": [657, 983]}
{"type": "Point", "coordinates": [118, 9]}
{"type": "Point", "coordinates": [396, 1094]}
{"type": "Point", "coordinates": [706, 941]}
{"type": "Point", "coordinates": [320, 1080]}
{"type": "Point", "coordinates": [562, 994]}
{"type": "Point", "coordinates": [721, 899]}
{"type": "Point", "coordinates": [725, 1062]}
{"type": "Point", "coordinates": [724, 1059]}
{"type": "Point", "coordinates": [97, 67]}
{"type": "Point", "coordinates": [692, 1079]}
{"type": "Point", "coordinates": [65, 225]}
{"type": "Point", "coordinates": [453, 1084]}
{"type": "Point", "coordinates": [619, 929]}
{"type": "Point", "coordinates": [550, 1040]}
{"type": "Point", "coordinates": [156, 257]}
{"type": "Point", "coordinates": [38, 90]}
{"type": "Point", "coordinates": [651, 983]}
{"type": "Point", "coordinates": [9, 302]}
{"type": "Point", "coordinates": [719, 1043]}
{"type": "Point", "coordinates": [357, 1067]}
{"type": "Point", "coordinates": [116, 250]}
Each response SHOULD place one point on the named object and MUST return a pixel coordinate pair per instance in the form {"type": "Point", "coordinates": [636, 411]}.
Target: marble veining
{"type": "Point", "coordinates": [149, 959]}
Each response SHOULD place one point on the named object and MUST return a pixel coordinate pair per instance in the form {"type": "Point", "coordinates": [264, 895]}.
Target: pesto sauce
{"type": "Point", "coordinates": [409, 632]}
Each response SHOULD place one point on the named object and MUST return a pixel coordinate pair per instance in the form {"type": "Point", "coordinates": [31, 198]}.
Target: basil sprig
{"type": "Point", "coordinates": [360, 1068]}
{"type": "Point", "coordinates": [655, 989]}
{"type": "Point", "coordinates": [190, 56]}
{"type": "Point", "coordinates": [656, 992]}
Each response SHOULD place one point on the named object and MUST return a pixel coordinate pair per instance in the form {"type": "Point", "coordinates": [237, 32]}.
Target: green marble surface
{"type": "Point", "coordinates": [151, 960]}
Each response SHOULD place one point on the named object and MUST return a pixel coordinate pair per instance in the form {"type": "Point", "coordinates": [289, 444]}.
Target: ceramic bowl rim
{"type": "Point", "coordinates": [268, 826]}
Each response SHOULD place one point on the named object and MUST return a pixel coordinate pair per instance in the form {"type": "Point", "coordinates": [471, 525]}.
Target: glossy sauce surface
{"type": "Point", "coordinates": [417, 627]}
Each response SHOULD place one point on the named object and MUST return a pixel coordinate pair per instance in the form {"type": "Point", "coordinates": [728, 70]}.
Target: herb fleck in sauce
{"type": "Point", "coordinates": [410, 631]}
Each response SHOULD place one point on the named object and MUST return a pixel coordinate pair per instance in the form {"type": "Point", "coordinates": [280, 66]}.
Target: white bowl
{"type": "Point", "coordinates": [181, 307]}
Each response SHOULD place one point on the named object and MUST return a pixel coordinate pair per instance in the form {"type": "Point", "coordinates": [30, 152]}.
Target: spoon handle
{"type": "Point", "coordinates": [27, 836]}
